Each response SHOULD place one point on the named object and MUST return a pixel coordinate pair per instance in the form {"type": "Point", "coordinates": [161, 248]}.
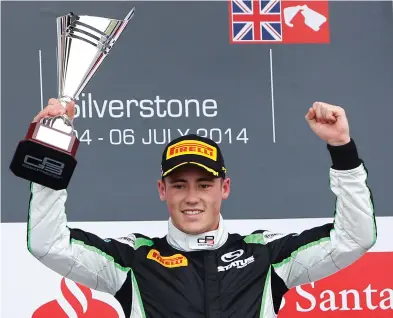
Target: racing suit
{"type": "Point", "coordinates": [214, 274]}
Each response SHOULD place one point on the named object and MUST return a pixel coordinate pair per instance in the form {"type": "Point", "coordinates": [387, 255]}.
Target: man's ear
{"type": "Point", "coordinates": [226, 188]}
{"type": "Point", "coordinates": [161, 189]}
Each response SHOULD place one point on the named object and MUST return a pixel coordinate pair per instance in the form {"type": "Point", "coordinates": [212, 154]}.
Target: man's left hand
{"type": "Point", "coordinates": [329, 122]}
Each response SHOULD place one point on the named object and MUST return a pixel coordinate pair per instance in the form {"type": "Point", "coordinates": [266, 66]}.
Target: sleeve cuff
{"type": "Point", "coordinates": [344, 157]}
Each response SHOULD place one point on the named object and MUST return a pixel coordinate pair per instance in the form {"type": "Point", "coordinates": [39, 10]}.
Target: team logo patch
{"type": "Point", "coordinates": [173, 261]}
{"type": "Point", "coordinates": [192, 147]}
{"type": "Point", "coordinates": [231, 256]}
{"type": "Point", "coordinates": [234, 262]}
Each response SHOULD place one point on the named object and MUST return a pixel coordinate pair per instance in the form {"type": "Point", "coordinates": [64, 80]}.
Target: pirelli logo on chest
{"type": "Point", "coordinates": [192, 147]}
{"type": "Point", "coordinates": [173, 261]}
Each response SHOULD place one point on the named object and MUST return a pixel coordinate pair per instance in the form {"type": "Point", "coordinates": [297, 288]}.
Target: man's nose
{"type": "Point", "coordinates": [192, 197]}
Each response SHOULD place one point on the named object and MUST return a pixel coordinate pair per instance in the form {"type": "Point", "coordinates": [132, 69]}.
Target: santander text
{"type": "Point", "coordinates": [346, 300]}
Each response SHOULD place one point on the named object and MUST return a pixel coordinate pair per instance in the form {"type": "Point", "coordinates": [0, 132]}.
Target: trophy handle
{"type": "Point", "coordinates": [66, 124]}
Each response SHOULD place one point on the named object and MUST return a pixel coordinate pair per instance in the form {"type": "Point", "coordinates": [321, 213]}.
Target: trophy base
{"type": "Point", "coordinates": [43, 164]}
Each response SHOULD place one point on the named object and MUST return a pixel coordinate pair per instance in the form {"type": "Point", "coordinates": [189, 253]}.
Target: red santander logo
{"type": "Point", "coordinates": [362, 290]}
{"type": "Point", "coordinates": [94, 309]}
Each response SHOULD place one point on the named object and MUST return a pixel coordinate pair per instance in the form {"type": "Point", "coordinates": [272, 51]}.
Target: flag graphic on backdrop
{"type": "Point", "coordinates": [278, 21]}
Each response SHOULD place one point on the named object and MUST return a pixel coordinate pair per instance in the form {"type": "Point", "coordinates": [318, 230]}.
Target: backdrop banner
{"type": "Point", "coordinates": [243, 73]}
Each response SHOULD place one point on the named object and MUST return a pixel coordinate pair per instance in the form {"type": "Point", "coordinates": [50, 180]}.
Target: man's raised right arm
{"type": "Point", "coordinates": [73, 253]}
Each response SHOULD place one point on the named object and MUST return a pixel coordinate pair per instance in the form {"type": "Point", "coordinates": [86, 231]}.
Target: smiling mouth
{"type": "Point", "coordinates": [192, 212]}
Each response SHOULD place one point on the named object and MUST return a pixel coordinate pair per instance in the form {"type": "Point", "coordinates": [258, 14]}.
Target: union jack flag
{"type": "Point", "coordinates": [256, 21]}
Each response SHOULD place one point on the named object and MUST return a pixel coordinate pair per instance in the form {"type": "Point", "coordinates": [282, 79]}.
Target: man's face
{"type": "Point", "coordinates": [194, 198]}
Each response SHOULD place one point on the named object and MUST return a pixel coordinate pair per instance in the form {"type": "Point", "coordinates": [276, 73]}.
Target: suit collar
{"type": "Point", "coordinates": [201, 242]}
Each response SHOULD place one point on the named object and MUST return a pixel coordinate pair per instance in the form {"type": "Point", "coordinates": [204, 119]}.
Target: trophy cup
{"type": "Point", "coordinates": [47, 154]}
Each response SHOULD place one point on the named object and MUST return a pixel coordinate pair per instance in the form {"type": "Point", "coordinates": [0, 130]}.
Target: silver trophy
{"type": "Point", "coordinates": [47, 155]}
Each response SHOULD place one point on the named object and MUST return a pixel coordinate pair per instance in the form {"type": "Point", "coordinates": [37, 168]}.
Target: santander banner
{"type": "Point", "coordinates": [29, 289]}
{"type": "Point", "coordinates": [354, 292]}
{"type": "Point", "coordinates": [90, 308]}
{"type": "Point", "coordinates": [363, 290]}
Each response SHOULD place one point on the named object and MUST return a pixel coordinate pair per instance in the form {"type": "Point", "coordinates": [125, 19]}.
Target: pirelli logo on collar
{"type": "Point", "coordinates": [173, 261]}
{"type": "Point", "coordinates": [192, 147]}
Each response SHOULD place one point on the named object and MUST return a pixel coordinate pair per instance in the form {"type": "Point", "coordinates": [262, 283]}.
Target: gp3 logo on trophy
{"type": "Point", "coordinates": [46, 165]}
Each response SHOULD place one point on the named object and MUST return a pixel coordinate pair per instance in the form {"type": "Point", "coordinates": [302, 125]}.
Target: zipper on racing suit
{"type": "Point", "coordinates": [212, 286]}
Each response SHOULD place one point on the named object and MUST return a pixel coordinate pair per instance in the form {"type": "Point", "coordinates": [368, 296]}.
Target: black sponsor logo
{"type": "Point", "coordinates": [268, 236]}
{"type": "Point", "coordinates": [127, 240]}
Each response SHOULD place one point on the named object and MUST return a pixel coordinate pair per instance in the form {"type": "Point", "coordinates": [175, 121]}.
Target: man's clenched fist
{"type": "Point", "coordinates": [329, 122]}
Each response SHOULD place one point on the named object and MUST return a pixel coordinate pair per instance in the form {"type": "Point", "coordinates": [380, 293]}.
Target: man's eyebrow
{"type": "Point", "coordinates": [176, 180]}
{"type": "Point", "coordinates": [206, 179]}
{"type": "Point", "coordinates": [203, 179]}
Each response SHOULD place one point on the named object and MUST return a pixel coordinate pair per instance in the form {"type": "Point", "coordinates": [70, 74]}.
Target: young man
{"type": "Point", "coordinates": [199, 269]}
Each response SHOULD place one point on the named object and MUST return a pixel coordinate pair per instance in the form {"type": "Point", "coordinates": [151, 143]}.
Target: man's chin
{"type": "Point", "coordinates": [193, 228]}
